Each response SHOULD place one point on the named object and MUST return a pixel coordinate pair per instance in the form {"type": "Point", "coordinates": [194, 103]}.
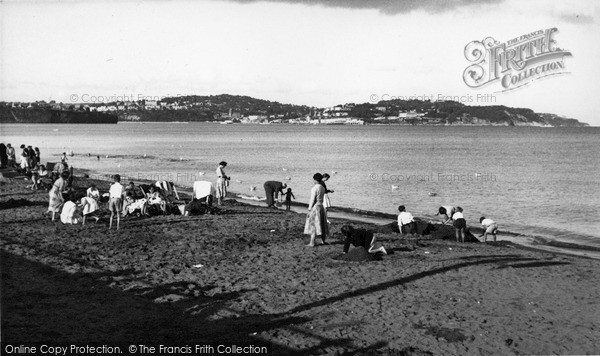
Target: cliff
{"type": "Point", "coordinates": [51, 116]}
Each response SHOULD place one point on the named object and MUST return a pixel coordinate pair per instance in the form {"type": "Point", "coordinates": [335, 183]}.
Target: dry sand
{"type": "Point", "coordinates": [259, 285]}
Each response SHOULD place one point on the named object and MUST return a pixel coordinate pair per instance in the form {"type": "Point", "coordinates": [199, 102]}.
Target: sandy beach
{"type": "Point", "coordinates": [243, 277]}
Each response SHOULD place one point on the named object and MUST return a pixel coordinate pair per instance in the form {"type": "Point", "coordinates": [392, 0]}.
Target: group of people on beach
{"type": "Point", "coordinates": [121, 200]}
{"type": "Point", "coordinates": [29, 157]}
{"type": "Point", "coordinates": [124, 201]}
{"type": "Point", "coordinates": [274, 190]}
{"type": "Point", "coordinates": [129, 200]}
{"type": "Point", "coordinates": [407, 224]}
{"type": "Point", "coordinates": [29, 164]}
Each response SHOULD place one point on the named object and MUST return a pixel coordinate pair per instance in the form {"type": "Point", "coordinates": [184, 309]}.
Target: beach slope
{"type": "Point", "coordinates": [244, 277]}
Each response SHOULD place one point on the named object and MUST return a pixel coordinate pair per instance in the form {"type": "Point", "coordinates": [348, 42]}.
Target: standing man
{"type": "Point", "coordinates": [12, 159]}
{"type": "Point", "coordinates": [222, 182]}
{"type": "Point", "coordinates": [272, 191]}
{"type": "Point", "coordinates": [116, 197]}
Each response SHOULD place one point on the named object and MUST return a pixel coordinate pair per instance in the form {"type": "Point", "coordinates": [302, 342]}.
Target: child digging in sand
{"type": "Point", "coordinates": [489, 227]}
{"type": "Point", "coordinates": [406, 222]}
{"type": "Point", "coordinates": [69, 211]}
{"type": "Point", "coordinates": [89, 208]}
{"type": "Point", "coordinates": [360, 238]}
{"type": "Point", "coordinates": [446, 212]}
{"type": "Point", "coordinates": [460, 224]}
{"type": "Point", "coordinates": [114, 203]}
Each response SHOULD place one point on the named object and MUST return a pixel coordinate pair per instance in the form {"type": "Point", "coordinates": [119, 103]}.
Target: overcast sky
{"type": "Point", "coordinates": [317, 53]}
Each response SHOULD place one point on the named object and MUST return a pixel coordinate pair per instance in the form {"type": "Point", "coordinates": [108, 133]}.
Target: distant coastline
{"type": "Point", "coordinates": [54, 116]}
{"type": "Point", "coordinates": [234, 109]}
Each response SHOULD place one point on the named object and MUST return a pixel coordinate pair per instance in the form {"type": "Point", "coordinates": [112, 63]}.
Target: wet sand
{"type": "Point", "coordinates": [244, 277]}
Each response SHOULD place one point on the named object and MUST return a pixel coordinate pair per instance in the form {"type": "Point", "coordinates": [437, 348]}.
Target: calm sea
{"type": "Point", "coordinates": [534, 181]}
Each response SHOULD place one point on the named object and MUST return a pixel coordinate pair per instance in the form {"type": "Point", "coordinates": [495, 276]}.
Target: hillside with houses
{"type": "Point", "coordinates": [231, 109]}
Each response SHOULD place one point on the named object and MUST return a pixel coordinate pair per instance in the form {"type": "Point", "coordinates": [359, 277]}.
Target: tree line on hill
{"type": "Point", "coordinates": [225, 106]}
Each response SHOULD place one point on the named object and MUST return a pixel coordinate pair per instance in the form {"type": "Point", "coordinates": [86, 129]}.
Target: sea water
{"type": "Point", "coordinates": [533, 181]}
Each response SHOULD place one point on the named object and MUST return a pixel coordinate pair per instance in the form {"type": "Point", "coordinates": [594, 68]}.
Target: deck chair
{"type": "Point", "coordinates": [154, 209]}
{"type": "Point", "coordinates": [170, 195]}
{"type": "Point", "coordinates": [202, 199]}
{"type": "Point", "coordinates": [52, 168]}
{"type": "Point", "coordinates": [168, 188]}
{"type": "Point", "coordinates": [44, 182]}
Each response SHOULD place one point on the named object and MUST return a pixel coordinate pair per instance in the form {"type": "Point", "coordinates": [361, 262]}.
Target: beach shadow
{"type": "Point", "coordinates": [404, 280]}
{"type": "Point", "coordinates": [400, 249]}
{"type": "Point", "coordinates": [17, 203]}
{"type": "Point", "coordinates": [267, 212]}
{"type": "Point", "coordinates": [148, 221]}
{"type": "Point", "coordinates": [534, 264]}
{"type": "Point", "coordinates": [46, 305]}
{"type": "Point", "coordinates": [29, 220]}
{"type": "Point", "coordinates": [56, 307]}
{"type": "Point", "coordinates": [477, 257]}
{"type": "Point", "coordinates": [32, 192]}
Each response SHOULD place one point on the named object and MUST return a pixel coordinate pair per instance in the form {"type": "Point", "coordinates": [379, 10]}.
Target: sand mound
{"type": "Point", "coordinates": [446, 232]}
{"type": "Point", "coordinates": [359, 254]}
{"type": "Point", "coordinates": [423, 227]}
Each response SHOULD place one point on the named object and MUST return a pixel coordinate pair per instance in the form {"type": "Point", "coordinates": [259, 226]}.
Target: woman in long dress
{"type": "Point", "coordinates": [316, 221]}
{"type": "Point", "coordinates": [55, 194]}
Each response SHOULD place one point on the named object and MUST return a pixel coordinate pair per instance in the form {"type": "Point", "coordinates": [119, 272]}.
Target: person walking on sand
{"type": "Point", "coordinates": [288, 199]}
{"type": "Point", "coordinates": [460, 224]}
{"type": "Point", "coordinates": [222, 182]}
{"type": "Point", "coordinates": [489, 228]}
{"type": "Point", "coordinates": [56, 194]}
{"type": "Point", "coordinates": [316, 220]}
{"type": "Point", "coordinates": [406, 222]}
{"type": "Point", "coordinates": [272, 191]}
{"type": "Point", "coordinates": [115, 198]}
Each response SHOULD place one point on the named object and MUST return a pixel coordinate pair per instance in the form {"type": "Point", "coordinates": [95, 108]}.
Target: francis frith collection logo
{"type": "Point", "coordinates": [516, 62]}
